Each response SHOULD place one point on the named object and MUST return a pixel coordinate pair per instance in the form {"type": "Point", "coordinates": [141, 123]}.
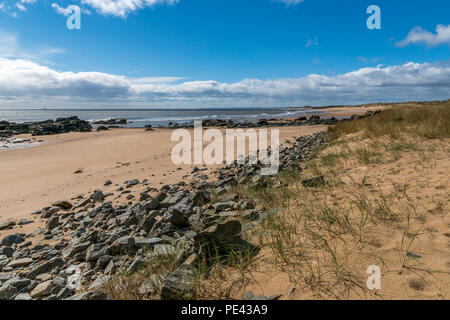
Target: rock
{"type": "Point", "coordinates": [178, 285]}
{"type": "Point", "coordinates": [7, 292]}
{"type": "Point", "coordinates": [151, 286]}
{"type": "Point", "coordinates": [222, 206]}
{"type": "Point", "coordinates": [7, 251]}
{"type": "Point", "coordinates": [97, 196]}
{"type": "Point", "coordinates": [66, 205]}
{"type": "Point", "coordinates": [96, 251]}
{"type": "Point", "coordinates": [107, 183]}
{"type": "Point", "coordinates": [149, 221]}
{"type": "Point", "coordinates": [103, 261]}
{"type": "Point", "coordinates": [201, 198]}
{"type": "Point", "coordinates": [64, 293]}
{"type": "Point", "coordinates": [23, 296]}
{"type": "Point", "coordinates": [7, 224]}
{"type": "Point", "coordinates": [18, 282]}
{"type": "Point", "coordinates": [223, 230]}
{"type": "Point", "coordinates": [11, 239]}
{"type": "Point", "coordinates": [110, 268]}
{"type": "Point", "coordinates": [314, 182]}
{"type": "Point", "coordinates": [45, 267]}
{"type": "Point", "coordinates": [123, 245]}
{"type": "Point", "coordinates": [92, 295]}
{"type": "Point", "coordinates": [163, 250]}
{"type": "Point", "coordinates": [20, 262]}
{"type": "Point", "coordinates": [42, 289]}
{"type": "Point", "coordinates": [82, 203]}
{"type": "Point", "coordinates": [172, 200]}
{"type": "Point", "coordinates": [175, 217]}
{"type": "Point", "coordinates": [131, 183]}
{"type": "Point", "coordinates": [144, 243]}
{"type": "Point", "coordinates": [138, 263]}
{"type": "Point", "coordinates": [76, 249]}
{"type": "Point", "coordinates": [52, 223]}
{"type": "Point", "coordinates": [100, 281]}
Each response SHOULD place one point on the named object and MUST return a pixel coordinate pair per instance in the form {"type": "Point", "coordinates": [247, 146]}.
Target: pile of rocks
{"type": "Point", "coordinates": [261, 123]}
{"type": "Point", "coordinates": [48, 127]}
{"type": "Point", "coordinates": [112, 121]}
{"type": "Point", "coordinates": [94, 240]}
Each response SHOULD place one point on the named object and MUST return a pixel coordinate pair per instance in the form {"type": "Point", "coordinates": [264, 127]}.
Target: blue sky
{"type": "Point", "coordinates": [195, 53]}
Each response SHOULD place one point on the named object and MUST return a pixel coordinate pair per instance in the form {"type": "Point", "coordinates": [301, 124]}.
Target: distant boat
{"type": "Point", "coordinates": [44, 109]}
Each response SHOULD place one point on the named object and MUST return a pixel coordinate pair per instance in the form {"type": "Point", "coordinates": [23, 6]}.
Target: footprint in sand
{"type": "Point", "coordinates": [417, 284]}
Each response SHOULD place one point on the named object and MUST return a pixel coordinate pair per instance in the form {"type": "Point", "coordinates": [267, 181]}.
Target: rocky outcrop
{"type": "Point", "coordinates": [49, 127]}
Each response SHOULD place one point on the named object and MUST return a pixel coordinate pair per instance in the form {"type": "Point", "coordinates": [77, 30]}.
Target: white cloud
{"type": "Point", "coordinates": [11, 48]}
{"type": "Point", "coordinates": [289, 2]}
{"type": "Point", "coordinates": [421, 36]}
{"type": "Point", "coordinates": [61, 10]}
{"type": "Point", "coordinates": [11, 9]}
{"type": "Point", "coordinates": [121, 8]}
{"type": "Point", "coordinates": [23, 80]}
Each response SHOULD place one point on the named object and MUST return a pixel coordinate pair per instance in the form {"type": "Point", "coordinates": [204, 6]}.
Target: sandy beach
{"type": "Point", "coordinates": [34, 177]}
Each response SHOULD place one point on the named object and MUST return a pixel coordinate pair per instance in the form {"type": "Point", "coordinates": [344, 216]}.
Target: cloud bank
{"type": "Point", "coordinates": [23, 80]}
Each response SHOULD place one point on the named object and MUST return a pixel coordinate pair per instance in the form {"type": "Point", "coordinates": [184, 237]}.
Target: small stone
{"type": "Point", "coordinates": [23, 296]}
{"type": "Point", "coordinates": [42, 289]}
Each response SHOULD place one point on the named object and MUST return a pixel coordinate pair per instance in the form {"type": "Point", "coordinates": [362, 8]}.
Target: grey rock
{"type": "Point", "coordinates": [92, 295]}
{"type": "Point", "coordinates": [100, 281]}
{"type": "Point", "coordinates": [18, 282]}
{"type": "Point", "coordinates": [97, 196]}
{"type": "Point", "coordinates": [178, 285]}
{"type": "Point", "coordinates": [45, 267]}
{"type": "Point", "coordinates": [7, 292]}
{"type": "Point", "coordinates": [23, 296]}
{"type": "Point", "coordinates": [75, 249]}
{"type": "Point", "coordinates": [66, 205]}
{"type": "Point", "coordinates": [20, 262]}
{"type": "Point", "coordinates": [11, 239]}
{"type": "Point", "coordinates": [122, 245]}
{"type": "Point", "coordinates": [52, 223]}
{"type": "Point", "coordinates": [175, 217]}
{"type": "Point", "coordinates": [96, 251]}
{"type": "Point", "coordinates": [7, 251]}
{"type": "Point", "coordinates": [7, 224]}
{"type": "Point", "coordinates": [151, 286]}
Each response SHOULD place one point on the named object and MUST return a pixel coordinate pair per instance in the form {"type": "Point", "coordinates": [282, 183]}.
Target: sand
{"type": "Point", "coordinates": [35, 177]}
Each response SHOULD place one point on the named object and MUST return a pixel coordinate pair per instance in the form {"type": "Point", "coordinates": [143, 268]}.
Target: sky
{"type": "Point", "coordinates": [221, 53]}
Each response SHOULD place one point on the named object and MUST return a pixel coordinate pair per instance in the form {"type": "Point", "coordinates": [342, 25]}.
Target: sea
{"type": "Point", "coordinates": [156, 117]}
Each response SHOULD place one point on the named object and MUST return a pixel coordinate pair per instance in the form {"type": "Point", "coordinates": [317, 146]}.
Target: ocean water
{"type": "Point", "coordinates": [154, 117]}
